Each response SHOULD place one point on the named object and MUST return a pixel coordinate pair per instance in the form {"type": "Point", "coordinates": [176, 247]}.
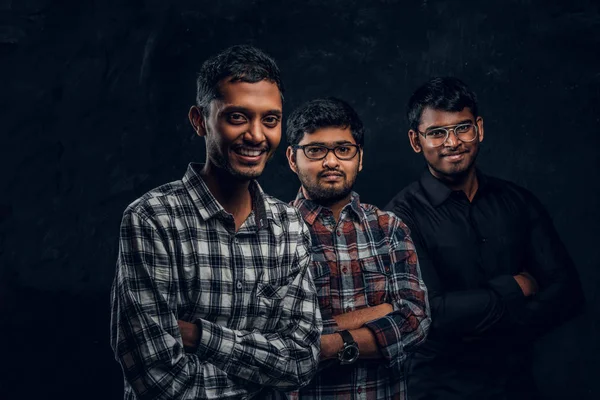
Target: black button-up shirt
{"type": "Point", "coordinates": [479, 343]}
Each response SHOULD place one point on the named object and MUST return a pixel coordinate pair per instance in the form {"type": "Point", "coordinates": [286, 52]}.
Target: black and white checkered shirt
{"type": "Point", "coordinates": [251, 292]}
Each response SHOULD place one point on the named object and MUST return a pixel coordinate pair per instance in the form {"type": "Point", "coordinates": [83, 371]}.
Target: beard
{"type": "Point", "coordinates": [223, 162]}
{"type": "Point", "coordinates": [325, 193]}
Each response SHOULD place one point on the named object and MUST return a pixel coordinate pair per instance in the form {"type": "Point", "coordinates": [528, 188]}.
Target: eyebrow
{"type": "Point", "coordinates": [231, 109]}
{"type": "Point", "coordinates": [339, 142]}
{"type": "Point", "coordinates": [444, 126]}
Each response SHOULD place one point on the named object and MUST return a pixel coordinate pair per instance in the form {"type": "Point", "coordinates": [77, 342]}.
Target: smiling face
{"type": "Point", "coordinates": [329, 180]}
{"type": "Point", "coordinates": [242, 127]}
{"type": "Point", "coordinates": [454, 158]}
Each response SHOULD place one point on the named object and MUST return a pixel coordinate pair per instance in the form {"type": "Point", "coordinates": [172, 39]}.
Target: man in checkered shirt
{"type": "Point", "coordinates": [212, 296]}
{"type": "Point", "coordinates": [372, 298]}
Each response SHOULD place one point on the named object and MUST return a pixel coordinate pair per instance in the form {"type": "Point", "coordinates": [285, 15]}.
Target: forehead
{"type": "Point", "coordinates": [433, 117]}
{"type": "Point", "coordinates": [259, 97]}
{"type": "Point", "coordinates": [328, 135]}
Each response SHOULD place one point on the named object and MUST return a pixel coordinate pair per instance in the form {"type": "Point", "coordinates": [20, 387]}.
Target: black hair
{"type": "Point", "coordinates": [238, 63]}
{"type": "Point", "coordinates": [441, 93]}
{"type": "Point", "coordinates": [323, 113]}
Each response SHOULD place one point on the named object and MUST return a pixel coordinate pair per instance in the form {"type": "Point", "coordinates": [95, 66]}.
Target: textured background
{"type": "Point", "coordinates": [93, 113]}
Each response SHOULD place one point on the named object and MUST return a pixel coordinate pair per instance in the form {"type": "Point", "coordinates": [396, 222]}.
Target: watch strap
{"type": "Point", "coordinates": [346, 337]}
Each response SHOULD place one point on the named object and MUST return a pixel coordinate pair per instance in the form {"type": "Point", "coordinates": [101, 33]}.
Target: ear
{"type": "Point", "coordinates": [360, 159]}
{"type": "Point", "coordinates": [291, 157]}
{"type": "Point", "coordinates": [479, 123]}
{"type": "Point", "coordinates": [413, 138]}
{"type": "Point", "coordinates": [197, 120]}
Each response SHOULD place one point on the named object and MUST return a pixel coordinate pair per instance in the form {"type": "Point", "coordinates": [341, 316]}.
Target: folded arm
{"type": "Point", "coordinates": [147, 342]}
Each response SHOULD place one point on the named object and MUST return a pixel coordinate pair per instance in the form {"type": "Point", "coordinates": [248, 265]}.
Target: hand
{"type": "Point", "coordinates": [190, 334]}
{"type": "Point", "coordinates": [527, 283]}
{"type": "Point", "coordinates": [331, 345]}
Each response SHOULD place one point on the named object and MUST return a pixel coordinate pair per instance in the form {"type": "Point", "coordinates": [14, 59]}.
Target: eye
{"type": "Point", "coordinates": [343, 150]}
{"type": "Point", "coordinates": [236, 118]}
{"type": "Point", "coordinates": [271, 121]}
{"type": "Point", "coordinates": [463, 128]}
{"type": "Point", "coordinates": [314, 151]}
{"type": "Point", "coordinates": [436, 133]}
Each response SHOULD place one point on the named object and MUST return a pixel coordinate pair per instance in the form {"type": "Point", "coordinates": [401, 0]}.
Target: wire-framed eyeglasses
{"type": "Point", "coordinates": [465, 132]}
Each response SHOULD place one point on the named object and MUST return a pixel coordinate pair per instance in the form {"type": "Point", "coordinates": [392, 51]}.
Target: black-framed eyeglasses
{"type": "Point", "coordinates": [465, 132]}
{"type": "Point", "coordinates": [319, 151]}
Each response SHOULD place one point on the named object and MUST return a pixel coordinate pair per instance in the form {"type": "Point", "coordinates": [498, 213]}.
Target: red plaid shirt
{"type": "Point", "coordinates": [365, 259]}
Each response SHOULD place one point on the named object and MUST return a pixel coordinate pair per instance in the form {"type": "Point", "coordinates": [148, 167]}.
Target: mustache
{"type": "Point", "coordinates": [330, 172]}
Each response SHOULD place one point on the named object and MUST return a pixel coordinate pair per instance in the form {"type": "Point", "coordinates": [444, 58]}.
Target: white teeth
{"type": "Point", "coordinates": [248, 152]}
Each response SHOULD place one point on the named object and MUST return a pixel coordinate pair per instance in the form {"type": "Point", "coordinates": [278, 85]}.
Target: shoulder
{"type": "Point", "coordinates": [405, 201]}
{"type": "Point", "coordinates": [388, 221]}
{"type": "Point", "coordinates": [512, 190]}
{"type": "Point", "coordinates": [518, 197]}
{"type": "Point", "coordinates": [283, 213]}
{"type": "Point", "coordinates": [164, 199]}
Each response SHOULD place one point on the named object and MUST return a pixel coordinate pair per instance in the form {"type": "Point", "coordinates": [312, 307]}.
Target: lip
{"type": "Point", "coordinates": [331, 176]}
{"type": "Point", "coordinates": [455, 157]}
{"type": "Point", "coordinates": [249, 155]}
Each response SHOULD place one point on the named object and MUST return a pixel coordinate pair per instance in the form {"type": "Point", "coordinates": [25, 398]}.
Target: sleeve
{"type": "Point", "coordinates": [146, 339]}
{"type": "Point", "coordinates": [464, 313]}
{"type": "Point", "coordinates": [560, 295]}
{"type": "Point", "coordinates": [286, 359]}
{"type": "Point", "coordinates": [399, 332]}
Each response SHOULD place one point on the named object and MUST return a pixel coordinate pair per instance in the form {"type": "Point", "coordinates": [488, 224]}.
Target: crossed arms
{"type": "Point", "coordinates": [147, 342]}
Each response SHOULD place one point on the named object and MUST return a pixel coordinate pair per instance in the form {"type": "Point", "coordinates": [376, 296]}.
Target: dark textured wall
{"type": "Point", "coordinates": [94, 98]}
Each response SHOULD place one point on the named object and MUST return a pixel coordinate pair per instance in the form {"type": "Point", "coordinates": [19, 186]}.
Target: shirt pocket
{"type": "Point", "coordinates": [266, 305]}
{"type": "Point", "coordinates": [272, 291]}
{"type": "Point", "coordinates": [375, 273]}
{"type": "Point", "coordinates": [321, 275]}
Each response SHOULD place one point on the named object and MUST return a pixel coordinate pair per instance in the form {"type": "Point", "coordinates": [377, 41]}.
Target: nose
{"type": "Point", "coordinates": [452, 139]}
{"type": "Point", "coordinates": [255, 134]}
{"type": "Point", "coordinates": [330, 160]}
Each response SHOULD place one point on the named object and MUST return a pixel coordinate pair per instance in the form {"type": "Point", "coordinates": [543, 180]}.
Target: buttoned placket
{"type": "Point", "coordinates": [344, 268]}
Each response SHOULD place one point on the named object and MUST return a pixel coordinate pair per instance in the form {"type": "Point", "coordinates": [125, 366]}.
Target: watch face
{"type": "Point", "coordinates": [350, 354]}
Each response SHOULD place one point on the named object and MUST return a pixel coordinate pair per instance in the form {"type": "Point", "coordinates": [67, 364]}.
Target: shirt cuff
{"type": "Point", "coordinates": [389, 343]}
{"type": "Point", "coordinates": [509, 291]}
{"type": "Point", "coordinates": [216, 344]}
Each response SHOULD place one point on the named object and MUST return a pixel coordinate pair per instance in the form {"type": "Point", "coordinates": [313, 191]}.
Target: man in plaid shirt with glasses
{"type": "Point", "coordinates": [212, 296]}
{"type": "Point", "coordinates": [372, 298]}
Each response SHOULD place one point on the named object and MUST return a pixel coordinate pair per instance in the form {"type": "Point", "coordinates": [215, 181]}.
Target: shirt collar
{"type": "Point", "coordinates": [209, 207]}
{"type": "Point", "coordinates": [310, 210]}
{"type": "Point", "coordinates": [438, 192]}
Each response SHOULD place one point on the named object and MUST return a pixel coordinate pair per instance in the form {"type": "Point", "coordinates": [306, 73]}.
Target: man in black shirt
{"type": "Point", "coordinates": [497, 273]}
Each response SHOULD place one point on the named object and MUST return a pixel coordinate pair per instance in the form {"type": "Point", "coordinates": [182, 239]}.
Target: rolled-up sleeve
{"type": "Point", "coordinates": [399, 332]}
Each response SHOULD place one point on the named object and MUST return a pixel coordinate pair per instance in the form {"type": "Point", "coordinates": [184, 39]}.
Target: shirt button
{"type": "Point", "coordinates": [359, 390]}
{"type": "Point", "coordinates": [339, 233]}
{"type": "Point", "coordinates": [344, 270]}
{"type": "Point", "coordinates": [239, 285]}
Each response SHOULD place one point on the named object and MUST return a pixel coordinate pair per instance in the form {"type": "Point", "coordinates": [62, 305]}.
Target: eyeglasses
{"type": "Point", "coordinates": [319, 151]}
{"type": "Point", "coordinates": [436, 137]}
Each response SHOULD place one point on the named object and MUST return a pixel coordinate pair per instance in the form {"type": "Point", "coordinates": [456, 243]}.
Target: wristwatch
{"type": "Point", "coordinates": [349, 353]}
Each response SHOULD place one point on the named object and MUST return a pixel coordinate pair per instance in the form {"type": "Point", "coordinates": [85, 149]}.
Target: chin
{"type": "Point", "coordinates": [247, 172]}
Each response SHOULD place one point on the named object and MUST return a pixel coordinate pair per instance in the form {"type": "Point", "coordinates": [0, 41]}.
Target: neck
{"type": "Point", "coordinates": [466, 182]}
{"type": "Point", "coordinates": [335, 205]}
{"type": "Point", "coordinates": [230, 192]}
